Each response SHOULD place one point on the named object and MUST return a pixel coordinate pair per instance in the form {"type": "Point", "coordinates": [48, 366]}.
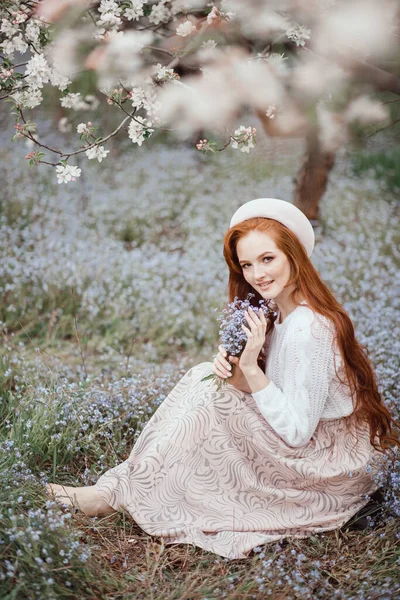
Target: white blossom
{"type": "Point", "coordinates": [207, 52]}
{"type": "Point", "coordinates": [110, 14]}
{"type": "Point", "coordinates": [67, 173]}
{"type": "Point", "coordinates": [58, 80]}
{"type": "Point", "coordinates": [8, 28]}
{"type": "Point", "coordinates": [82, 128]}
{"type": "Point", "coordinates": [137, 130]}
{"type": "Point", "coordinates": [135, 12]}
{"type": "Point", "coordinates": [29, 98]}
{"type": "Point", "coordinates": [159, 13]}
{"type": "Point", "coordinates": [16, 44]}
{"type": "Point", "coordinates": [244, 138]}
{"type": "Point", "coordinates": [122, 57]}
{"type": "Point", "coordinates": [64, 125]}
{"type": "Point", "coordinates": [32, 31]}
{"type": "Point", "coordinates": [109, 20]}
{"type": "Point", "coordinates": [138, 97]}
{"type": "Point", "coordinates": [185, 29]}
{"type": "Point", "coordinates": [108, 6]}
{"type": "Point", "coordinates": [209, 44]}
{"type": "Point", "coordinates": [146, 99]}
{"type": "Point", "coordinates": [37, 71]}
{"type": "Point", "coordinates": [71, 100]}
{"type": "Point", "coordinates": [19, 17]}
{"type": "Point", "coordinates": [76, 102]}
{"type": "Point", "coordinates": [89, 102]}
{"type": "Point", "coordinates": [163, 73]}
{"type": "Point", "coordinates": [332, 131]}
{"type": "Point", "coordinates": [365, 110]}
{"type": "Point", "coordinates": [97, 152]}
{"type": "Point", "coordinates": [360, 28]}
{"type": "Point", "coordinates": [277, 62]}
{"type": "Point", "coordinates": [298, 34]}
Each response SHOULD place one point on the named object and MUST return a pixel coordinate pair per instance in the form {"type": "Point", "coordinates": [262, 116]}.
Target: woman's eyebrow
{"type": "Point", "coordinates": [261, 255]}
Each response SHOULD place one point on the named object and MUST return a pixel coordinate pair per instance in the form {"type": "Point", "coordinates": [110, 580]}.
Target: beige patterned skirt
{"type": "Point", "coordinates": [208, 470]}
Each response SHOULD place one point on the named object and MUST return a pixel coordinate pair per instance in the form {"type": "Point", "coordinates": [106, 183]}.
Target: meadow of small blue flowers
{"type": "Point", "coordinates": [111, 289]}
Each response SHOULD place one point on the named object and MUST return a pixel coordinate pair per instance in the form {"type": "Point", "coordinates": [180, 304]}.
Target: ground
{"type": "Point", "coordinates": [112, 286]}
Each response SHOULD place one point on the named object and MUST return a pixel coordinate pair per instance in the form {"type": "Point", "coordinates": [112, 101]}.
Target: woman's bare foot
{"type": "Point", "coordinates": [86, 499]}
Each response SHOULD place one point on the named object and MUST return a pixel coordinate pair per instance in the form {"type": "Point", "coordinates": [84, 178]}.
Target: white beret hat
{"type": "Point", "coordinates": [282, 211]}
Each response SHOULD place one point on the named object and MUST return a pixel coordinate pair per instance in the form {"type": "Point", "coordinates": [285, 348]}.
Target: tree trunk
{"type": "Point", "coordinates": [312, 178]}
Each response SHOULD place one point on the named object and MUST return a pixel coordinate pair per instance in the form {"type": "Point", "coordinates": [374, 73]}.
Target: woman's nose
{"type": "Point", "coordinates": [259, 272]}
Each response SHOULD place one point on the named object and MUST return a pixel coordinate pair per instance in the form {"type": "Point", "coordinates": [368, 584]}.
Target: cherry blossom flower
{"type": "Point", "coordinates": [135, 11]}
{"type": "Point", "coordinates": [298, 34]}
{"type": "Point", "coordinates": [244, 138]}
{"type": "Point", "coordinates": [16, 44]}
{"type": "Point", "coordinates": [29, 98]}
{"type": "Point", "coordinates": [64, 125]}
{"type": "Point", "coordinates": [139, 129]}
{"type": "Point", "coordinates": [159, 13]}
{"type": "Point", "coordinates": [82, 128]}
{"type": "Point", "coordinates": [67, 173]}
{"type": "Point", "coordinates": [37, 71]}
{"type": "Point", "coordinates": [163, 73]}
{"type": "Point", "coordinates": [97, 152]}
{"type": "Point", "coordinates": [8, 28]}
{"type": "Point", "coordinates": [185, 29]}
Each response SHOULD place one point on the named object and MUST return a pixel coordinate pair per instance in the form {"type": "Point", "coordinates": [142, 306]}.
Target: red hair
{"type": "Point", "coordinates": [360, 376]}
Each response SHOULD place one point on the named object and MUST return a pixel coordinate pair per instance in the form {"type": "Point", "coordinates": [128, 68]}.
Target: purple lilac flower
{"type": "Point", "coordinates": [232, 336]}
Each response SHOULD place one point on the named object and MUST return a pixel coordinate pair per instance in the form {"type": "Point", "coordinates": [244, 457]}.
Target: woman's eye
{"type": "Point", "coordinates": [268, 258]}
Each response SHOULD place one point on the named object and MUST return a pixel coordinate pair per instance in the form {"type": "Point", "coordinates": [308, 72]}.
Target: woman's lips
{"type": "Point", "coordinates": [265, 285]}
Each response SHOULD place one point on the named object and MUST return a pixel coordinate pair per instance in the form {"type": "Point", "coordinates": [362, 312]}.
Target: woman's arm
{"type": "Point", "coordinates": [295, 410]}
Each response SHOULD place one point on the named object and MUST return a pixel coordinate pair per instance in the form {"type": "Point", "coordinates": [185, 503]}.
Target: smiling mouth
{"type": "Point", "coordinates": [266, 284]}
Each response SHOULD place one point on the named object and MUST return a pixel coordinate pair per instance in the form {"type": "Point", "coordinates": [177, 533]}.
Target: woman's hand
{"type": "Point", "coordinates": [256, 330]}
{"type": "Point", "coordinates": [223, 369]}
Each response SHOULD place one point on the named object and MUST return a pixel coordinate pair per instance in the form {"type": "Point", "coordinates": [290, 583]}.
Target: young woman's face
{"type": "Point", "coordinates": [264, 267]}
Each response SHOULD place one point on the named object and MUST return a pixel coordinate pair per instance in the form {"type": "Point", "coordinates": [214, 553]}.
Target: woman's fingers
{"type": "Point", "coordinates": [262, 316]}
{"type": "Point", "coordinates": [222, 357]}
{"type": "Point", "coordinates": [222, 366]}
{"type": "Point", "coordinates": [257, 326]}
{"type": "Point", "coordinates": [223, 373]}
{"type": "Point", "coordinates": [247, 332]}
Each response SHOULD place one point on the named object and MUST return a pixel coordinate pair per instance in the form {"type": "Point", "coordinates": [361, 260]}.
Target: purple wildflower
{"type": "Point", "coordinates": [232, 336]}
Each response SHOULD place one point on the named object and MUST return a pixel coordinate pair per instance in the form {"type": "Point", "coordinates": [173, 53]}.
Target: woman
{"type": "Point", "coordinates": [278, 451]}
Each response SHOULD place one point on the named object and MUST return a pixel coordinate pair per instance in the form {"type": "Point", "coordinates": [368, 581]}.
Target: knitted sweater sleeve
{"type": "Point", "coordinates": [293, 410]}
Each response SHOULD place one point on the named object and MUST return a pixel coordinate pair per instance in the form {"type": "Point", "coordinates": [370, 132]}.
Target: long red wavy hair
{"type": "Point", "coordinates": [360, 376]}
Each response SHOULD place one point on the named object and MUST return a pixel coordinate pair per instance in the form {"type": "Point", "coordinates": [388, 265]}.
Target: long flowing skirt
{"type": "Point", "coordinates": [207, 469]}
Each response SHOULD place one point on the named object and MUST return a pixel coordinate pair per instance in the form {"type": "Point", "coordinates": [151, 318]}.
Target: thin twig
{"type": "Point", "coordinates": [83, 149]}
{"type": "Point", "coordinates": [382, 128]}
{"type": "Point", "coordinates": [103, 140]}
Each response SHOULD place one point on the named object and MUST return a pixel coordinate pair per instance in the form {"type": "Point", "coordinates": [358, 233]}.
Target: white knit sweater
{"type": "Point", "coordinates": [303, 388]}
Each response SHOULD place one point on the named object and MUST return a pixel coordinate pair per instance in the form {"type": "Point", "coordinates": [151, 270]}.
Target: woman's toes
{"type": "Point", "coordinates": [85, 498]}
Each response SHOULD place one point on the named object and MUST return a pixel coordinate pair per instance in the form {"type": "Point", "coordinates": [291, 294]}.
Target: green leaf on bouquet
{"type": "Point", "coordinates": [208, 377]}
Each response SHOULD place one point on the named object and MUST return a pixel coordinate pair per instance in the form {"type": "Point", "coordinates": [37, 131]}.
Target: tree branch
{"type": "Point", "coordinates": [381, 79]}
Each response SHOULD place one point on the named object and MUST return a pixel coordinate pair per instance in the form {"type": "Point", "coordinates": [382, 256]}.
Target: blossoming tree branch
{"type": "Point", "coordinates": [306, 68]}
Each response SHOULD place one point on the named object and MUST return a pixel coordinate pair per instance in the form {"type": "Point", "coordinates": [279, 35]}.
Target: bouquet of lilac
{"type": "Point", "coordinates": [232, 336]}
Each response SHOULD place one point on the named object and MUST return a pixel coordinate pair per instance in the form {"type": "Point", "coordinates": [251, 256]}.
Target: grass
{"type": "Point", "coordinates": [382, 164]}
{"type": "Point", "coordinates": [81, 372]}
